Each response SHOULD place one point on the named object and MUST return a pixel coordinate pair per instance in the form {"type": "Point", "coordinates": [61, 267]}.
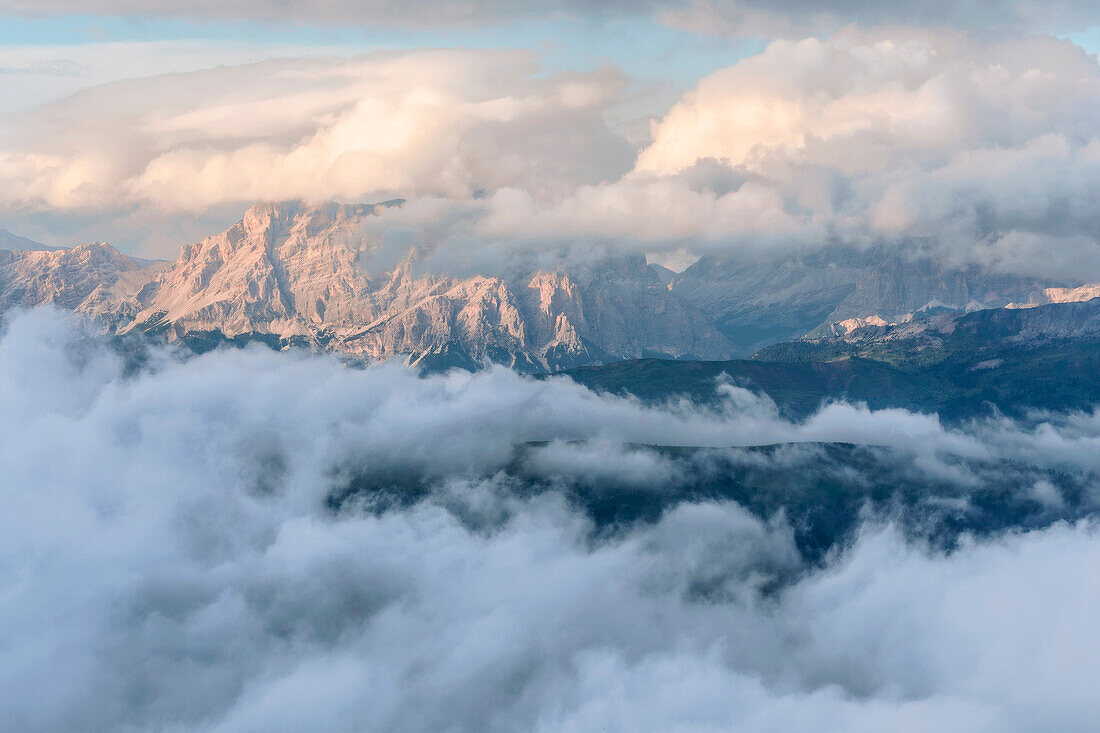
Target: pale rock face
{"type": "Point", "coordinates": [848, 325]}
{"type": "Point", "coordinates": [309, 274]}
{"type": "Point", "coordinates": [1024, 327]}
{"type": "Point", "coordinates": [1061, 295]}
{"type": "Point", "coordinates": [92, 279]}
{"type": "Point", "coordinates": [306, 272]}
{"type": "Point", "coordinates": [276, 271]}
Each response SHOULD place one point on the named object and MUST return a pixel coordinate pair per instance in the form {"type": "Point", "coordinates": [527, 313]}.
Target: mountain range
{"type": "Point", "coordinates": [1020, 362]}
{"type": "Point", "coordinates": [836, 289]}
{"type": "Point", "coordinates": [310, 275]}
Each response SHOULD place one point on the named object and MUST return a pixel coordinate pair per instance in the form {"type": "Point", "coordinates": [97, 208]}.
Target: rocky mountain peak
{"type": "Point", "coordinates": [298, 271]}
{"type": "Point", "coordinates": [92, 278]}
{"type": "Point", "coordinates": [755, 304]}
{"type": "Point", "coordinates": [310, 273]}
{"type": "Point", "coordinates": [282, 218]}
{"type": "Point", "coordinates": [302, 272]}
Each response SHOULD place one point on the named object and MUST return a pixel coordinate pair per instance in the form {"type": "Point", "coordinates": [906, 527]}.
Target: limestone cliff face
{"type": "Point", "coordinates": [1027, 327]}
{"type": "Point", "coordinates": [757, 304]}
{"type": "Point", "coordinates": [92, 279]}
{"type": "Point", "coordinates": [1060, 295]}
{"type": "Point", "coordinates": [282, 270]}
{"type": "Point", "coordinates": [308, 273]}
{"type": "Point", "coordinates": [314, 275]}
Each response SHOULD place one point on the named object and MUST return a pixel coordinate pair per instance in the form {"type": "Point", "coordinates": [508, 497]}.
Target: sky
{"type": "Point", "coordinates": [737, 127]}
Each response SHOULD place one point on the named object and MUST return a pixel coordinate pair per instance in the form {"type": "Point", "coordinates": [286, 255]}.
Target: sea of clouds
{"type": "Point", "coordinates": [171, 559]}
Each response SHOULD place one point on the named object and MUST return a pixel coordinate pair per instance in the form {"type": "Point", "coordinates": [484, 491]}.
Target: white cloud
{"type": "Point", "coordinates": [985, 150]}
{"type": "Point", "coordinates": [168, 561]}
{"type": "Point", "coordinates": [429, 122]}
{"type": "Point", "coordinates": [864, 101]}
{"type": "Point", "coordinates": [649, 210]}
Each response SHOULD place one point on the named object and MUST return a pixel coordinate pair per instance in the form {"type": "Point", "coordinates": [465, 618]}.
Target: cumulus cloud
{"type": "Point", "coordinates": [984, 151]}
{"type": "Point", "coordinates": [980, 152]}
{"type": "Point", "coordinates": [172, 559]}
{"type": "Point", "coordinates": [426, 122]}
{"type": "Point", "coordinates": [867, 100]}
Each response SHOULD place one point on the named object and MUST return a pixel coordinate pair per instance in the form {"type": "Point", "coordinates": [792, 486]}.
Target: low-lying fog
{"type": "Point", "coordinates": [252, 540]}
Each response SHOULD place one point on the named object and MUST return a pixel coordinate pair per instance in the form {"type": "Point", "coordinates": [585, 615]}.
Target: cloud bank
{"type": "Point", "coordinates": [982, 151]}
{"type": "Point", "coordinates": [172, 559]}
{"type": "Point", "coordinates": [424, 122]}
{"type": "Point", "coordinates": [986, 151]}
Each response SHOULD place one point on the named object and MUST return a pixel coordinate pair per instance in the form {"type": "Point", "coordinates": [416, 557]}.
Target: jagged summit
{"type": "Point", "coordinates": [279, 215]}
{"type": "Point", "coordinates": [314, 274]}
{"type": "Point", "coordinates": [93, 279]}
{"type": "Point", "coordinates": [306, 273]}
